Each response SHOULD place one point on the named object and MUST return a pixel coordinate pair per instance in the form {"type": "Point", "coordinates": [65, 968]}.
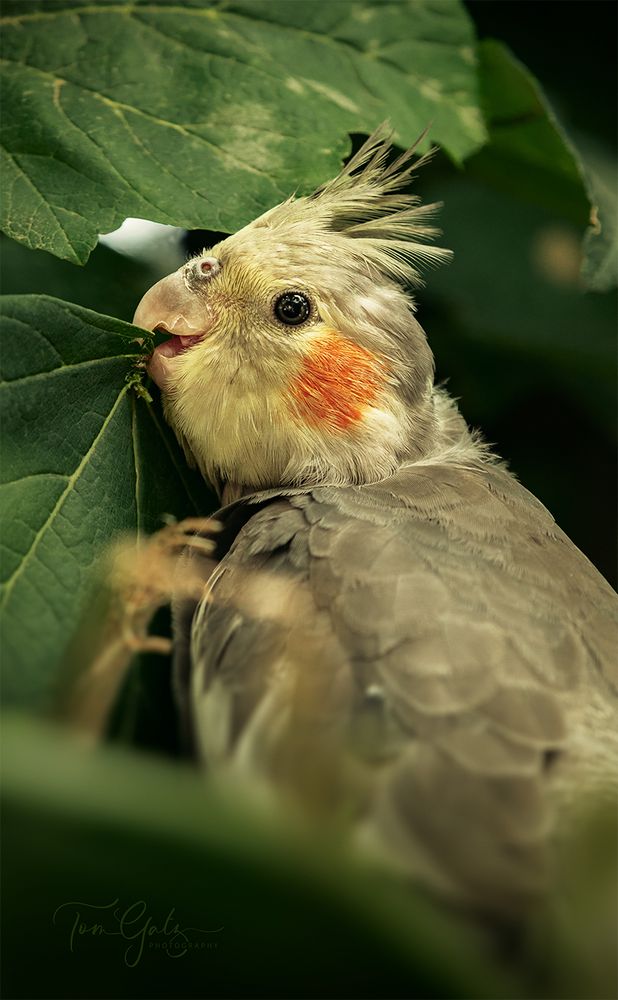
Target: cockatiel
{"type": "Point", "coordinates": [392, 623]}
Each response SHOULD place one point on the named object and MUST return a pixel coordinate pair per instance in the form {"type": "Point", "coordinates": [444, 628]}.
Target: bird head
{"type": "Point", "coordinates": [294, 356]}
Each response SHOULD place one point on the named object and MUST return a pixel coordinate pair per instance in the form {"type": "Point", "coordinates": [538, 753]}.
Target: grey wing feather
{"type": "Point", "coordinates": [447, 607]}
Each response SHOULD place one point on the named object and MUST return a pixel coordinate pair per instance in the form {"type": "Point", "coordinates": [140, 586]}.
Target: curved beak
{"type": "Point", "coordinates": [172, 307]}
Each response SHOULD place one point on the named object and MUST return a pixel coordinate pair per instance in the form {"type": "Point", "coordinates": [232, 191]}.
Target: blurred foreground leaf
{"type": "Point", "coordinates": [298, 916]}
{"type": "Point", "coordinates": [84, 459]}
{"type": "Point", "coordinates": [571, 940]}
{"type": "Point", "coordinates": [204, 115]}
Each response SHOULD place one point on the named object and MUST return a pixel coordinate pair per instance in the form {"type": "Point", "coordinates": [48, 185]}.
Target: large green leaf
{"type": "Point", "coordinates": [204, 115]}
{"type": "Point", "coordinates": [83, 459]}
{"type": "Point", "coordinates": [531, 156]}
{"type": "Point", "coordinates": [528, 154]}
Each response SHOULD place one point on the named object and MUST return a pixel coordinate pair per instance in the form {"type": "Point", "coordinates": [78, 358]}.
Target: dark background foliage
{"type": "Point", "coordinates": [561, 447]}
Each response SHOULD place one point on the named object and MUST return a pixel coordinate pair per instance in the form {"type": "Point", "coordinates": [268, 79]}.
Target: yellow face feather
{"type": "Point", "coordinates": [295, 356]}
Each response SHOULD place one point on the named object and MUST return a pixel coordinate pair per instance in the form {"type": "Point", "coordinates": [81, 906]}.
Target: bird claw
{"type": "Point", "coordinates": [142, 576]}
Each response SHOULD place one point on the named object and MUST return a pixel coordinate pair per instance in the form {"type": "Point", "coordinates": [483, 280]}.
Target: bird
{"type": "Point", "coordinates": [391, 627]}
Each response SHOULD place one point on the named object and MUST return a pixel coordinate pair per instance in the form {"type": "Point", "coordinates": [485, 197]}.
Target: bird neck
{"type": "Point", "coordinates": [435, 432]}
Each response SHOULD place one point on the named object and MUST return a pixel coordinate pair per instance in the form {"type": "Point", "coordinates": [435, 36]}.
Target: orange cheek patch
{"type": "Point", "coordinates": [337, 380]}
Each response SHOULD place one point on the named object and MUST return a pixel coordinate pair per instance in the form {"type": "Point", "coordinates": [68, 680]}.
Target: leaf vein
{"type": "Point", "coordinates": [138, 509]}
{"type": "Point", "coordinates": [57, 508]}
{"type": "Point", "coordinates": [44, 204]}
{"type": "Point", "coordinates": [34, 475]}
{"type": "Point", "coordinates": [61, 369]}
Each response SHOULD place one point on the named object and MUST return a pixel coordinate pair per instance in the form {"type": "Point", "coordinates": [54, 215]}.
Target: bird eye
{"type": "Point", "coordinates": [292, 308]}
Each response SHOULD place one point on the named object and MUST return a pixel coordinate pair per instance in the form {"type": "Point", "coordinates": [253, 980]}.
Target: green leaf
{"type": "Point", "coordinates": [528, 154]}
{"type": "Point", "coordinates": [296, 910]}
{"type": "Point", "coordinates": [84, 459]}
{"type": "Point", "coordinates": [205, 115]}
{"type": "Point", "coordinates": [600, 267]}
{"type": "Point", "coordinates": [531, 156]}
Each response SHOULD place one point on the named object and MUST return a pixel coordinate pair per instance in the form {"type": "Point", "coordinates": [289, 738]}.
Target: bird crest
{"type": "Point", "coordinates": [365, 218]}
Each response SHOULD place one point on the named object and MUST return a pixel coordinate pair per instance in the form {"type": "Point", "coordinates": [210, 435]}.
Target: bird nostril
{"type": "Point", "coordinates": [207, 267]}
